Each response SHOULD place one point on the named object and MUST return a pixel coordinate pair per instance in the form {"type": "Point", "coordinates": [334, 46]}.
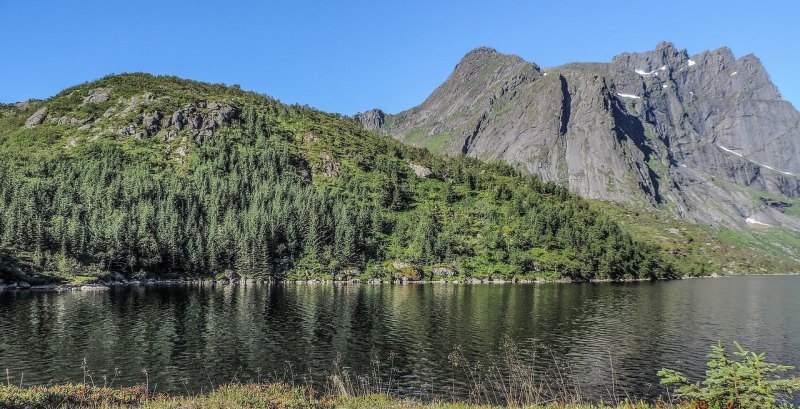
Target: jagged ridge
{"type": "Point", "coordinates": [655, 129]}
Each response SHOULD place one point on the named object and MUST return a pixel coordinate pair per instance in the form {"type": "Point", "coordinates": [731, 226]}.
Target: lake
{"type": "Point", "coordinates": [422, 339]}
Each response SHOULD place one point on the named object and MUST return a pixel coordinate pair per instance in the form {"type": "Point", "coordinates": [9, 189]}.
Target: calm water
{"type": "Point", "coordinates": [188, 338]}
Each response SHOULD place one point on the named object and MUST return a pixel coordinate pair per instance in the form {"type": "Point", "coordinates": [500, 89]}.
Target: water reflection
{"type": "Point", "coordinates": [190, 338]}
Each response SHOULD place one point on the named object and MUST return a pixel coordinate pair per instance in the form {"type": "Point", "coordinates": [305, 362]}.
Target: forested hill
{"type": "Point", "coordinates": [158, 176]}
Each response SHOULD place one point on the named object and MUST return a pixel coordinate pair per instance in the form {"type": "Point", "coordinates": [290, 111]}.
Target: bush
{"type": "Point", "coordinates": [746, 382]}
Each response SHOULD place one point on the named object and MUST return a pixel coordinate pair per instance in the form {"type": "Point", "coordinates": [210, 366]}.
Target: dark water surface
{"type": "Point", "coordinates": [188, 338]}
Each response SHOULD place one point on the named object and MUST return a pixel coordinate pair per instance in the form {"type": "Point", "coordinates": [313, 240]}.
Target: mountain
{"type": "Point", "coordinates": [141, 176]}
{"type": "Point", "coordinates": [704, 138]}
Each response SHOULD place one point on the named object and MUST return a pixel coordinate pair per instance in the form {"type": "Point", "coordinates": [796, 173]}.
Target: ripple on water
{"type": "Point", "coordinates": [605, 336]}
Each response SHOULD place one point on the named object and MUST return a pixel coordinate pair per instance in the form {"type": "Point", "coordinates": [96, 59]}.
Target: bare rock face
{"type": "Point", "coordinates": [419, 170]}
{"type": "Point", "coordinates": [97, 95]}
{"type": "Point", "coordinates": [657, 128]}
{"type": "Point", "coordinates": [202, 120]}
{"type": "Point", "coordinates": [152, 122]}
{"type": "Point", "coordinates": [37, 118]}
{"type": "Point", "coordinates": [219, 114]}
{"type": "Point", "coordinates": [372, 119]}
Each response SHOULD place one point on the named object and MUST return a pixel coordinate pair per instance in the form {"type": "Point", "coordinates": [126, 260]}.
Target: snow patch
{"type": "Point", "coordinates": [663, 68]}
{"type": "Point", "coordinates": [730, 151]}
{"type": "Point", "coordinates": [757, 163]}
{"type": "Point", "coordinates": [545, 74]}
{"type": "Point", "coordinates": [665, 86]}
{"type": "Point", "coordinates": [691, 63]}
{"type": "Point", "coordinates": [751, 220]}
{"type": "Point", "coordinates": [629, 96]}
{"type": "Point", "coordinates": [643, 72]}
{"type": "Point", "coordinates": [734, 73]}
{"type": "Point", "coordinates": [772, 169]}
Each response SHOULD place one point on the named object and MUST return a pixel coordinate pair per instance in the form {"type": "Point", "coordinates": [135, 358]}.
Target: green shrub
{"type": "Point", "coordinates": [69, 396]}
{"type": "Point", "coordinates": [746, 382]}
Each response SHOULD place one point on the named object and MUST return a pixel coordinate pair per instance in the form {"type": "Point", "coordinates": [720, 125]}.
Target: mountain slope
{"type": "Point", "coordinates": [140, 176]}
{"type": "Point", "coordinates": [655, 128]}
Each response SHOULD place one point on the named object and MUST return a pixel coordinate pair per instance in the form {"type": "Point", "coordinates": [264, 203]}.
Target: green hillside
{"type": "Point", "coordinates": [161, 177]}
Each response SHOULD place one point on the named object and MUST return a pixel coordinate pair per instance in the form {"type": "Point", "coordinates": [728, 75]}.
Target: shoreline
{"type": "Point", "coordinates": [103, 286]}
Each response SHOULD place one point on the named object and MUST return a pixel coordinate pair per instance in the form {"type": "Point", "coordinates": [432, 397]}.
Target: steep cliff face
{"type": "Point", "coordinates": [698, 136]}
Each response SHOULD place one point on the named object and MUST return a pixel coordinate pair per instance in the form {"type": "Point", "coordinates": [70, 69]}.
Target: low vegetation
{"type": "Point", "coordinates": [229, 396]}
{"type": "Point", "coordinates": [745, 381]}
{"type": "Point", "coordinates": [697, 250]}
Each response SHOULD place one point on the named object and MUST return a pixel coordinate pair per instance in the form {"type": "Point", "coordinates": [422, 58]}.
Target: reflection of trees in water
{"type": "Point", "coordinates": [193, 337]}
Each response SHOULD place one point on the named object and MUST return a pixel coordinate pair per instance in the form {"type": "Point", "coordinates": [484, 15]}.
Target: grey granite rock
{"type": "Point", "coordinates": [152, 122]}
{"type": "Point", "coordinates": [372, 119]}
{"type": "Point", "coordinates": [97, 95]}
{"type": "Point", "coordinates": [419, 170]}
{"type": "Point", "coordinates": [656, 128]}
{"type": "Point", "coordinates": [37, 118]}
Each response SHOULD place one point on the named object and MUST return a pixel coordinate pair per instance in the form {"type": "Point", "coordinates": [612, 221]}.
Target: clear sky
{"type": "Point", "coordinates": [349, 56]}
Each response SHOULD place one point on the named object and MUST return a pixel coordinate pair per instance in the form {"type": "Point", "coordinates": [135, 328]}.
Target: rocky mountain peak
{"type": "Point", "coordinates": [757, 78]}
{"type": "Point", "coordinates": [665, 45]}
{"type": "Point", "coordinates": [665, 56]}
{"type": "Point", "coordinates": [658, 127]}
{"type": "Point", "coordinates": [483, 60]}
{"type": "Point", "coordinates": [372, 119]}
{"type": "Point", "coordinates": [483, 50]}
{"type": "Point", "coordinates": [480, 53]}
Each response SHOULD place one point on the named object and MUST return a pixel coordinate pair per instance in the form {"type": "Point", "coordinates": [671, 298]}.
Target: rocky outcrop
{"type": "Point", "coordinates": [444, 271]}
{"type": "Point", "coordinates": [23, 105]}
{"type": "Point", "coordinates": [419, 170]}
{"type": "Point", "coordinates": [329, 166]}
{"type": "Point", "coordinates": [201, 120]}
{"type": "Point", "coordinates": [372, 119]}
{"type": "Point", "coordinates": [97, 95]}
{"type": "Point", "coordinates": [658, 128]}
{"type": "Point", "coordinates": [231, 275]}
{"type": "Point", "coordinates": [152, 122]}
{"type": "Point", "coordinates": [37, 118]}
{"type": "Point", "coordinates": [142, 116]}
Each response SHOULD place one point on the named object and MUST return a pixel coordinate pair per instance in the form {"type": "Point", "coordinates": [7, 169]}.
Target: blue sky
{"type": "Point", "coordinates": [349, 56]}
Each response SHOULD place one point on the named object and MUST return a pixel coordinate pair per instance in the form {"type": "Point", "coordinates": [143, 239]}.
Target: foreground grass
{"type": "Point", "coordinates": [229, 396]}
